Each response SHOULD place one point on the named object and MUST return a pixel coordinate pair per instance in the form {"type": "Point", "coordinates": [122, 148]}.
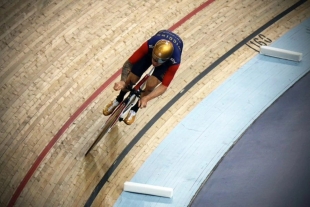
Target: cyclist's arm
{"type": "Point", "coordinates": [170, 74]}
{"type": "Point", "coordinates": [155, 93]}
{"type": "Point", "coordinates": [164, 85]}
{"type": "Point", "coordinates": [135, 57]}
{"type": "Point", "coordinates": [126, 70]}
{"type": "Point", "coordinates": [159, 90]}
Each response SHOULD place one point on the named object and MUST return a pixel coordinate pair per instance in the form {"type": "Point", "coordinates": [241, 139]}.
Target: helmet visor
{"type": "Point", "coordinates": [158, 60]}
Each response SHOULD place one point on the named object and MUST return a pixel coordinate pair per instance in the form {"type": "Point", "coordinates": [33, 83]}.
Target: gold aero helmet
{"type": "Point", "coordinates": [162, 51]}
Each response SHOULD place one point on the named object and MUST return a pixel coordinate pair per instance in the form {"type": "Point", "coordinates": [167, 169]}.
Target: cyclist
{"type": "Point", "coordinates": [163, 51]}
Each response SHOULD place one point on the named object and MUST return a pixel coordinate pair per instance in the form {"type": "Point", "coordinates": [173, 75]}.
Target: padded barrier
{"type": "Point", "coordinates": [148, 189]}
{"type": "Point", "coordinates": [281, 53]}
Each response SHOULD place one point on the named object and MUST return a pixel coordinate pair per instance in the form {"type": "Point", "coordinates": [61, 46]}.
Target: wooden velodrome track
{"type": "Point", "coordinates": [58, 62]}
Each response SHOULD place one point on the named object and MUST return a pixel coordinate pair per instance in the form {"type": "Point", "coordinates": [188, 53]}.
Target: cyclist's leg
{"type": "Point", "coordinates": [154, 80]}
{"type": "Point", "coordinates": [151, 83]}
{"type": "Point", "coordinates": [110, 107]}
{"type": "Point", "coordinates": [131, 80]}
{"type": "Point", "coordinates": [138, 71]}
{"type": "Point", "coordinates": [135, 74]}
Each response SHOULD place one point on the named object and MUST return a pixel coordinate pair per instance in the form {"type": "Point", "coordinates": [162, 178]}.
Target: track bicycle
{"type": "Point", "coordinates": [122, 109]}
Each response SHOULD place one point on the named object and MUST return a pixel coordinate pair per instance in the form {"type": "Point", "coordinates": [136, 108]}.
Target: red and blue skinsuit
{"type": "Point", "coordinates": [142, 58]}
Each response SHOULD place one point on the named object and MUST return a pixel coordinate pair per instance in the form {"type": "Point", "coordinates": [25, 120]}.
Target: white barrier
{"type": "Point", "coordinates": [281, 53]}
{"type": "Point", "coordinates": [148, 189]}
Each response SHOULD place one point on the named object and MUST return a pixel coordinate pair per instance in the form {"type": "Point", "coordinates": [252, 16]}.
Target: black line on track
{"type": "Point", "coordinates": [118, 160]}
{"type": "Point", "coordinates": [251, 47]}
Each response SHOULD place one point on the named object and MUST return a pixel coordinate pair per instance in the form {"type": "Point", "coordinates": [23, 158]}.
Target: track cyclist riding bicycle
{"type": "Point", "coordinates": [163, 51]}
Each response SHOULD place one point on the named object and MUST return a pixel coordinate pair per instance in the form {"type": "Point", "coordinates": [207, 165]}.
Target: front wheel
{"type": "Point", "coordinates": [108, 125]}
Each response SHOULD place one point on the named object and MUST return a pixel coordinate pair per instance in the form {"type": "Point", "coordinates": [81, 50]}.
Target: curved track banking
{"type": "Point", "coordinates": [54, 58]}
{"type": "Point", "coordinates": [135, 140]}
{"type": "Point", "coordinates": [80, 110]}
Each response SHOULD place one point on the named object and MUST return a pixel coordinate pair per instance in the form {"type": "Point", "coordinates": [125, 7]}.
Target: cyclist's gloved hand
{"type": "Point", "coordinates": [119, 85]}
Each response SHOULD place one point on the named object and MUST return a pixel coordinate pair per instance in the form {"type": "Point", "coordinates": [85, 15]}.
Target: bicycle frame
{"type": "Point", "coordinates": [131, 99]}
{"type": "Point", "coordinates": [122, 109]}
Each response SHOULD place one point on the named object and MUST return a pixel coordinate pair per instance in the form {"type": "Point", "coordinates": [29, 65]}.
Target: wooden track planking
{"type": "Point", "coordinates": [72, 178]}
{"type": "Point", "coordinates": [54, 126]}
{"type": "Point", "coordinates": [235, 61]}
